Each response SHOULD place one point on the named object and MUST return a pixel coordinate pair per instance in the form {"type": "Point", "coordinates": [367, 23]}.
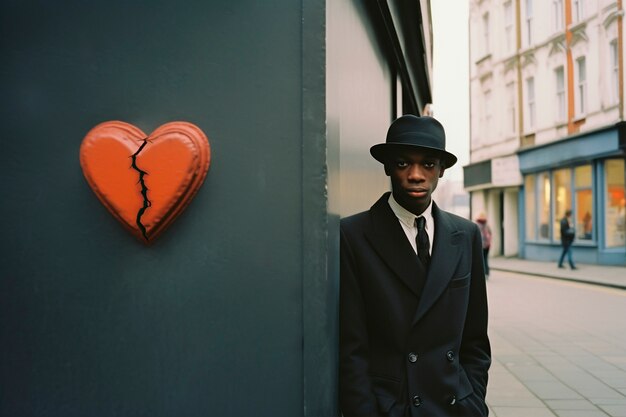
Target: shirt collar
{"type": "Point", "coordinates": [408, 218]}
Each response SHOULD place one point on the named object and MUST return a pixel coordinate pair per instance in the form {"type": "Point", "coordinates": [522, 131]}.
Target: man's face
{"type": "Point", "coordinates": [414, 175]}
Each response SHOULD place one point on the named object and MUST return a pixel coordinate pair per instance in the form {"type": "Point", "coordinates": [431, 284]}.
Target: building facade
{"type": "Point", "coordinates": [547, 125]}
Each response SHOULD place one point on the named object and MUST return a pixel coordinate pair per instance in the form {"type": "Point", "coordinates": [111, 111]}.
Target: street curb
{"type": "Point", "coordinates": [582, 281]}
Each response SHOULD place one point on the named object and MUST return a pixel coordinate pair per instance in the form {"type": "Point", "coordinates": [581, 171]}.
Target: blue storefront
{"type": "Point", "coordinates": [584, 173]}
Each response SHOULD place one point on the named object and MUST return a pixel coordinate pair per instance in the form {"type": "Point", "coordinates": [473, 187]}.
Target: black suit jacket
{"type": "Point", "coordinates": [567, 233]}
{"type": "Point", "coordinates": [412, 343]}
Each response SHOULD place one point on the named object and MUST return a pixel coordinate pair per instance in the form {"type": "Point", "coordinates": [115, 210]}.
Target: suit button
{"type": "Point", "coordinates": [453, 400]}
{"type": "Point", "coordinates": [412, 357]}
{"type": "Point", "coordinates": [450, 355]}
{"type": "Point", "coordinates": [417, 401]}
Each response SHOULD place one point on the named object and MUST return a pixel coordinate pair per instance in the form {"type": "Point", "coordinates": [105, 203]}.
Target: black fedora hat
{"type": "Point", "coordinates": [414, 132]}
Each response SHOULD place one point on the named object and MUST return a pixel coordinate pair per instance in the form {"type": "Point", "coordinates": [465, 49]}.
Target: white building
{"type": "Point", "coordinates": [547, 125]}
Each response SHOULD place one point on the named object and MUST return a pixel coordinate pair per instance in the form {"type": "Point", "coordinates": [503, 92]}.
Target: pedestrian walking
{"type": "Point", "coordinates": [568, 233]}
{"type": "Point", "coordinates": [485, 233]}
{"type": "Point", "coordinates": [413, 315]}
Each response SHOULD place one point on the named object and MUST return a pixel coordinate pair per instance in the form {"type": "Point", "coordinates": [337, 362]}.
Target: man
{"type": "Point", "coordinates": [413, 316]}
{"type": "Point", "coordinates": [567, 238]}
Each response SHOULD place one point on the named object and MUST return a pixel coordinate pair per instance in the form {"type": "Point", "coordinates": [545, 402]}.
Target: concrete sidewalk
{"type": "Point", "coordinates": [609, 276]}
{"type": "Point", "coordinates": [557, 350]}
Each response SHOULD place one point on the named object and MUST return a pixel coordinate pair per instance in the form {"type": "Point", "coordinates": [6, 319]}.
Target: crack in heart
{"type": "Point", "coordinates": [144, 190]}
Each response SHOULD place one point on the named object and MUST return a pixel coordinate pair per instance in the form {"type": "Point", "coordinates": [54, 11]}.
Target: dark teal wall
{"type": "Point", "coordinates": [209, 320]}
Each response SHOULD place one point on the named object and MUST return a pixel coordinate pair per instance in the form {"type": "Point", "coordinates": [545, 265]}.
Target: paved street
{"type": "Point", "coordinates": [559, 348]}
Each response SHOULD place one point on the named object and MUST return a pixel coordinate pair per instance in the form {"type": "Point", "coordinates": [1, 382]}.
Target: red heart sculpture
{"type": "Point", "coordinates": [145, 181]}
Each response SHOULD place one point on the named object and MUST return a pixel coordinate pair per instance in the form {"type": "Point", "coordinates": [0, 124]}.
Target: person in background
{"type": "Point", "coordinates": [485, 233]}
{"type": "Point", "coordinates": [413, 303]}
{"type": "Point", "coordinates": [587, 225]}
{"type": "Point", "coordinates": [567, 238]}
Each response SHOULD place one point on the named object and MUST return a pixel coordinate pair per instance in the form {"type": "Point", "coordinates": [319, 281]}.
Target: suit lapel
{"type": "Point", "coordinates": [389, 241]}
{"type": "Point", "coordinates": [445, 256]}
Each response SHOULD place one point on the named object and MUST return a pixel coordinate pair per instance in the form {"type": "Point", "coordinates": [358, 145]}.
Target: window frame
{"type": "Point", "coordinates": [561, 111]}
{"type": "Point", "coordinates": [538, 205]}
{"type": "Point", "coordinates": [608, 214]}
{"type": "Point", "coordinates": [530, 103]}
{"type": "Point", "coordinates": [558, 15]}
{"type": "Point", "coordinates": [581, 86]}
{"type": "Point", "coordinates": [529, 22]}
{"type": "Point", "coordinates": [576, 212]}
{"type": "Point", "coordinates": [543, 202]}
{"type": "Point", "coordinates": [508, 25]}
{"type": "Point", "coordinates": [511, 108]}
{"type": "Point", "coordinates": [555, 211]}
{"type": "Point", "coordinates": [614, 69]}
{"type": "Point", "coordinates": [488, 111]}
{"type": "Point", "coordinates": [578, 8]}
{"type": "Point", "coordinates": [486, 34]}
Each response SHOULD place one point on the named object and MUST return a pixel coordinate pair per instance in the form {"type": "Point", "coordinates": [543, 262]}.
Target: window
{"type": "Point", "coordinates": [486, 48]}
{"type": "Point", "coordinates": [530, 99]}
{"type": "Point", "coordinates": [543, 196]}
{"type": "Point", "coordinates": [529, 22]}
{"type": "Point", "coordinates": [488, 128]}
{"type": "Point", "coordinates": [614, 68]}
{"type": "Point", "coordinates": [508, 26]}
{"type": "Point", "coordinates": [548, 195]}
{"type": "Point", "coordinates": [510, 108]}
{"type": "Point", "coordinates": [581, 86]}
{"type": "Point", "coordinates": [562, 198]}
{"type": "Point", "coordinates": [584, 202]}
{"type": "Point", "coordinates": [615, 205]}
{"type": "Point", "coordinates": [578, 12]}
{"type": "Point", "coordinates": [530, 203]}
{"type": "Point", "coordinates": [560, 94]}
{"type": "Point", "coordinates": [557, 8]}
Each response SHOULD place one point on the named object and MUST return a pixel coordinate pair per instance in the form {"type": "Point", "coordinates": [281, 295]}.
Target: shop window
{"type": "Point", "coordinates": [529, 198]}
{"type": "Point", "coordinates": [584, 202]}
{"type": "Point", "coordinates": [615, 215]}
{"type": "Point", "coordinates": [562, 198]}
{"type": "Point", "coordinates": [543, 195]}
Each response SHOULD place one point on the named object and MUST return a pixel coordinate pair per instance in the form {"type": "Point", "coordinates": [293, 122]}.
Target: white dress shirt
{"type": "Point", "coordinates": [407, 221]}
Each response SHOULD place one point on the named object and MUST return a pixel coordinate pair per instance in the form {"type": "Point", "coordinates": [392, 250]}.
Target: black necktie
{"type": "Point", "coordinates": [423, 243]}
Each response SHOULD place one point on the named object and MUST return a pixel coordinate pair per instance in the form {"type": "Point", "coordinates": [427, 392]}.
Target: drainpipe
{"type": "Point", "coordinates": [571, 102]}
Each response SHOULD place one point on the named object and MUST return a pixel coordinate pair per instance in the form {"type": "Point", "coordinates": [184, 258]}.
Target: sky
{"type": "Point", "coordinates": [450, 81]}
